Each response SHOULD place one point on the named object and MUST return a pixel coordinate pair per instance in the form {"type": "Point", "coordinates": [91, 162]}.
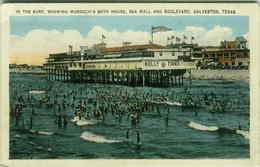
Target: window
{"type": "Point", "coordinates": [160, 53]}
{"type": "Point", "coordinates": [233, 55]}
{"type": "Point", "coordinates": [226, 55]}
{"type": "Point", "coordinates": [173, 53]}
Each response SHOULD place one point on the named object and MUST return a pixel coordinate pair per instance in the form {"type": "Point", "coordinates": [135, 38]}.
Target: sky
{"type": "Point", "coordinates": [34, 37]}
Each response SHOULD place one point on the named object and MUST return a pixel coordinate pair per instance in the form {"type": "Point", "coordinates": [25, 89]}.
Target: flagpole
{"type": "Point", "coordinates": [158, 29]}
{"type": "Point", "coordinates": [152, 37]}
{"type": "Point", "coordinates": [192, 38]}
{"type": "Point", "coordinates": [152, 33]}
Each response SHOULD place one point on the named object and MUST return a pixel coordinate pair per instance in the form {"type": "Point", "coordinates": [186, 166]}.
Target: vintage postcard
{"type": "Point", "coordinates": [130, 84]}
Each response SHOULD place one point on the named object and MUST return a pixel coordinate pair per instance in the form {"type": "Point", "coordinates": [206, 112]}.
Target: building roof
{"type": "Point", "coordinates": [133, 47]}
{"type": "Point", "coordinates": [212, 49]}
{"type": "Point", "coordinates": [64, 54]}
{"type": "Point", "coordinates": [183, 45]}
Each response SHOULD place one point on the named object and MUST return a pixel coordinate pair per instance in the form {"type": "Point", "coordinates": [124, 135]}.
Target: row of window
{"type": "Point", "coordinates": [227, 55]}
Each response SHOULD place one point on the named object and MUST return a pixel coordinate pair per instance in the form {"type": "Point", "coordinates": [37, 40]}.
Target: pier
{"type": "Point", "coordinates": [153, 78]}
{"type": "Point", "coordinates": [139, 65]}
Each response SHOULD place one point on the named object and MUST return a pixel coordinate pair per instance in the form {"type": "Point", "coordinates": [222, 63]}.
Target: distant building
{"type": "Point", "coordinates": [230, 54]}
{"type": "Point", "coordinates": [11, 66]}
{"type": "Point", "coordinates": [24, 68]}
{"type": "Point", "coordinates": [238, 43]}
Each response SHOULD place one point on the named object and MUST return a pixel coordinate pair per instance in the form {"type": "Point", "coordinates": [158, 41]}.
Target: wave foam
{"type": "Point", "coordinates": [96, 138]}
{"type": "Point", "coordinates": [85, 122]}
{"type": "Point", "coordinates": [243, 133]}
{"type": "Point", "coordinates": [202, 127]}
{"type": "Point", "coordinates": [37, 91]}
{"type": "Point", "coordinates": [41, 132]}
{"type": "Point", "coordinates": [198, 126]}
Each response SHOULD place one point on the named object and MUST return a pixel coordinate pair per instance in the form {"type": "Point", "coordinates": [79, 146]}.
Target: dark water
{"type": "Point", "coordinates": [108, 139]}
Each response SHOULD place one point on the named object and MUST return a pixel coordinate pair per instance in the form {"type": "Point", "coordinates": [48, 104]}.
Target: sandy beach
{"type": "Point", "coordinates": [219, 74]}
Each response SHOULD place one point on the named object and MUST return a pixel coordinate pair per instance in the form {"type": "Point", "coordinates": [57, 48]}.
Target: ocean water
{"type": "Point", "coordinates": [165, 132]}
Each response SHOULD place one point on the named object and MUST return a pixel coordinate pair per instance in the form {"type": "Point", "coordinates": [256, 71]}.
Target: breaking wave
{"type": "Point", "coordinates": [167, 103]}
{"type": "Point", "coordinates": [96, 138]}
{"type": "Point", "coordinates": [83, 122]}
{"type": "Point", "coordinates": [41, 132]}
{"type": "Point", "coordinates": [245, 134]}
{"type": "Point", "coordinates": [202, 127]}
{"type": "Point", "coordinates": [37, 91]}
{"type": "Point", "coordinates": [198, 126]}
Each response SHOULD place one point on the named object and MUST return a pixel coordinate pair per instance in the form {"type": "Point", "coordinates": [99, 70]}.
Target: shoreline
{"type": "Point", "coordinates": [219, 75]}
{"type": "Point", "coordinates": [196, 74]}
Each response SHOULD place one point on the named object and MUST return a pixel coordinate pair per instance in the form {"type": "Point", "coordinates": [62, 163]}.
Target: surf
{"type": "Point", "coordinates": [201, 127]}
{"type": "Point", "coordinates": [244, 133]}
{"type": "Point", "coordinates": [198, 126]}
{"type": "Point", "coordinates": [97, 138]}
{"type": "Point", "coordinates": [37, 91]}
{"type": "Point", "coordinates": [41, 132]}
{"type": "Point", "coordinates": [83, 122]}
{"type": "Point", "coordinates": [178, 104]}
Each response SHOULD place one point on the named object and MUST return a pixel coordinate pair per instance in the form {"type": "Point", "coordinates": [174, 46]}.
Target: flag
{"type": "Point", "coordinates": [103, 36]}
{"type": "Point", "coordinates": [126, 43]}
{"type": "Point", "coordinates": [160, 29]}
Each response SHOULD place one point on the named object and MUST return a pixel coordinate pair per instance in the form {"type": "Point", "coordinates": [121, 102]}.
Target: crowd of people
{"type": "Point", "coordinates": [107, 103]}
{"type": "Point", "coordinates": [91, 102]}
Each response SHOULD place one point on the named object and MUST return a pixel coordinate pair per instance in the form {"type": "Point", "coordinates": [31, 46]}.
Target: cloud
{"type": "Point", "coordinates": [246, 36]}
{"type": "Point", "coordinates": [217, 34]}
{"type": "Point", "coordinates": [210, 37]}
{"type": "Point", "coordinates": [115, 38]}
{"type": "Point", "coordinates": [34, 47]}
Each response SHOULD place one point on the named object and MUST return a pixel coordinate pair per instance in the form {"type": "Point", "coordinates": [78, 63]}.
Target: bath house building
{"type": "Point", "coordinates": [143, 65]}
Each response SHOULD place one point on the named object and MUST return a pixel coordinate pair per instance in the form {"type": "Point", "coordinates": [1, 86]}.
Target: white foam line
{"type": "Point", "coordinates": [37, 91]}
{"type": "Point", "coordinates": [198, 126]}
{"type": "Point", "coordinates": [96, 138]}
{"type": "Point", "coordinates": [245, 134]}
{"type": "Point", "coordinates": [85, 122]}
{"type": "Point", "coordinates": [202, 127]}
{"type": "Point", "coordinates": [41, 132]}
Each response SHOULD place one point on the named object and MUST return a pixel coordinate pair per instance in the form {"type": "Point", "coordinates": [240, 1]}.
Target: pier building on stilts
{"type": "Point", "coordinates": [133, 65]}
